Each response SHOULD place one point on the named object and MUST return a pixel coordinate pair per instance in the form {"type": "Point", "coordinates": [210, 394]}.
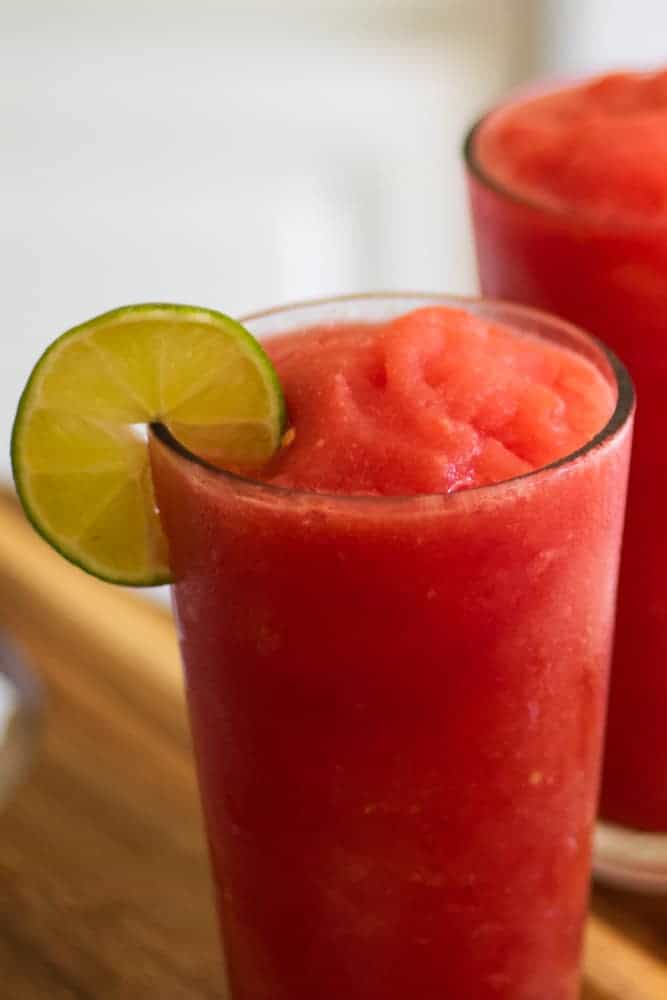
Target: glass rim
{"type": "Point", "coordinates": [623, 409]}
{"type": "Point", "coordinates": [572, 217]}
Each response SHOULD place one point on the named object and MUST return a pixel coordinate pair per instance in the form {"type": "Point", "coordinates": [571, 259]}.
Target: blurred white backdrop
{"type": "Point", "coordinates": [242, 154]}
{"type": "Point", "coordinates": [234, 154]}
{"type": "Point", "coordinates": [584, 36]}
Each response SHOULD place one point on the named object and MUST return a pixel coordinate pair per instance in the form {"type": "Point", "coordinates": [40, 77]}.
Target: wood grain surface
{"type": "Point", "coordinates": [104, 890]}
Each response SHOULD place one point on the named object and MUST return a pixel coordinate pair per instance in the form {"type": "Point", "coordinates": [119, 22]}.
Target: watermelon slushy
{"type": "Point", "coordinates": [396, 665]}
{"type": "Point", "coordinates": [569, 201]}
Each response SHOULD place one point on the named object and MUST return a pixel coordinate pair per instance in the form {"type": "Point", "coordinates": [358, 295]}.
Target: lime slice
{"type": "Point", "coordinates": [80, 463]}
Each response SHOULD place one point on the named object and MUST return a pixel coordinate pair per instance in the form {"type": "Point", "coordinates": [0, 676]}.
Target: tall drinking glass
{"type": "Point", "coordinates": [607, 273]}
{"type": "Point", "coordinates": [397, 707]}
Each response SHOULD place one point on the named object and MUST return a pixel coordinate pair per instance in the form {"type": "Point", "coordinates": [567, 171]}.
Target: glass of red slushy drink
{"type": "Point", "coordinates": [396, 665]}
{"type": "Point", "coordinates": [568, 190]}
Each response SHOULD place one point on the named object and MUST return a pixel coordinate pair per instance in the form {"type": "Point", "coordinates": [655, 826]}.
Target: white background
{"type": "Point", "coordinates": [239, 155]}
{"type": "Point", "coordinates": [233, 155]}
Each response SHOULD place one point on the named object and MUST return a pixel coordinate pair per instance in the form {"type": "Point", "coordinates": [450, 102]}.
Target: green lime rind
{"type": "Point", "coordinates": [134, 365]}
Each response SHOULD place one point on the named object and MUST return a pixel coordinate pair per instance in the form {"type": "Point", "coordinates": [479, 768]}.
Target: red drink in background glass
{"type": "Point", "coordinates": [397, 702]}
{"type": "Point", "coordinates": [569, 203]}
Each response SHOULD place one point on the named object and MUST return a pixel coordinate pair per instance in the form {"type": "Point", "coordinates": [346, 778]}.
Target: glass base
{"type": "Point", "coordinates": [20, 719]}
{"type": "Point", "coordinates": [630, 859]}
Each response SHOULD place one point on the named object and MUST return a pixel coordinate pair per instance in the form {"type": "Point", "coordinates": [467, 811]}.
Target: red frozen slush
{"type": "Point", "coordinates": [396, 670]}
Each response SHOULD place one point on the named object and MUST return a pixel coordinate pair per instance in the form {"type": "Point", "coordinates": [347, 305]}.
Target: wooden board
{"type": "Point", "coordinates": [104, 891]}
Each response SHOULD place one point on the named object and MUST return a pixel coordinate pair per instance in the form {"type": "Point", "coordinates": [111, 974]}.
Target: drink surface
{"type": "Point", "coordinates": [397, 702]}
{"type": "Point", "coordinates": [599, 148]}
{"type": "Point", "coordinates": [578, 227]}
{"type": "Point", "coordinates": [435, 401]}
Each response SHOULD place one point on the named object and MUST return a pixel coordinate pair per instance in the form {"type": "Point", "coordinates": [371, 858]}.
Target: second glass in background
{"type": "Point", "coordinates": [608, 274]}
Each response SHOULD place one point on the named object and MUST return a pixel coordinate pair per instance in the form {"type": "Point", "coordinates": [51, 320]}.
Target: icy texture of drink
{"type": "Point", "coordinates": [396, 641]}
